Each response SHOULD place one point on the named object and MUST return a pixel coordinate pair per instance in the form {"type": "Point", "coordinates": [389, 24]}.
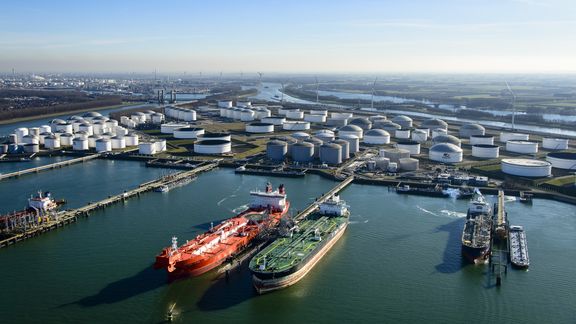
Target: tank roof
{"type": "Point", "coordinates": [485, 145]}
{"type": "Point", "coordinates": [526, 162]}
{"type": "Point", "coordinates": [304, 144]}
{"type": "Point", "coordinates": [445, 148]}
{"type": "Point", "coordinates": [260, 124]}
{"type": "Point", "coordinates": [563, 155]}
{"type": "Point", "coordinates": [401, 118]}
{"type": "Point", "coordinates": [445, 138]}
{"type": "Point", "coordinates": [212, 135]}
{"type": "Point", "coordinates": [212, 142]}
{"type": "Point", "coordinates": [472, 127]}
{"type": "Point", "coordinates": [350, 128]}
{"type": "Point", "coordinates": [434, 122]}
{"type": "Point", "coordinates": [376, 132]}
{"type": "Point", "coordinates": [359, 121]}
{"type": "Point", "coordinates": [332, 145]}
{"type": "Point", "coordinates": [92, 114]}
{"type": "Point", "coordinates": [277, 142]}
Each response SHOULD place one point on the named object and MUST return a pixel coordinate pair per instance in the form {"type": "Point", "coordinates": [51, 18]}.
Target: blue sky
{"type": "Point", "coordinates": [289, 36]}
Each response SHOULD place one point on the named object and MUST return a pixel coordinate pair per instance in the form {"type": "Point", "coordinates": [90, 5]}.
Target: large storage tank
{"type": "Point", "coordinates": [45, 129]}
{"type": "Point", "coordinates": [43, 136]}
{"type": "Point", "coordinates": [147, 148]}
{"type": "Point", "coordinates": [375, 118]}
{"type": "Point", "coordinates": [382, 162]}
{"type": "Point", "coordinates": [31, 148]}
{"type": "Point", "coordinates": [303, 152]}
{"type": "Point", "coordinates": [403, 133]}
{"type": "Point", "coordinates": [446, 139]}
{"type": "Point", "coordinates": [434, 123]}
{"type": "Point", "coordinates": [102, 145]}
{"type": "Point", "coordinates": [66, 139]}
{"type": "Point", "coordinates": [524, 147]}
{"type": "Point", "coordinates": [160, 145]}
{"type": "Point", "coordinates": [107, 135]}
{"type": "Point", "coordinates": [118, 142]}
{"type": "Point", "coordinates": [341, 115]}
{"type": "Point", "coordinates": [325, 135]}
{"type": "Point", "coordinates": [225, 103]}
{"type": "Point", "coordinates": [555, 143]}
{"type": "Point", "coordinates": [351, 130]}
{"type": "Point", "coordinates": [30, 139]}
{"type": "Point", "coordinates": [34, 131]}
{"type": "Point", "coordinates": [157, 118]}
{"type": "Point", "coordinates": [259, 128]}
{"type": "Point", "coordinates": [86, 127]}
{"type": "Point", "coordinates": [188, 132]}
{"type": "Point", "coordinates": [98, 127]}
{"type": "Point", "coordinates": [296, 125]}
{"type": "Point", "coordinates": [3, 148]}
{"type": "Point", "coordinates": [439, 132]}
{"type": "Point", "coordinates": [216, 136]}
{"type": "Point", "coordinates": [65, 127]}
{"type": "Point", "coordinates": [408, 164]}
{"type": "Point", "coordinates": [261, 113]}
{"type": "Point", "coordinates": [300, 136]}
{"type": "Point", "coordinates": [169, 128]}
{"type": "Point", "coordinates": [290, 140]}
{"type": "Point", "coordinates": [353, 142]}
{"type": "Point", "coordinates": [315, 118]}
{"type": "Point", "coordinates": [294, 114]}
{"type": "Point", "coordinates": [335, 122]}
{"type": "Point", "coordinates": [485, 151]}
{"type": "Point", "coordinates": [505, 137]}
{"type": "Point", "coordinates": [388, 126]}
{"type": "Point", "coordinates": [331, 153]}
{"type": "Point", "coordinates": [321, 112]}
{"type": "Point", "coordinates": [403, 121]}
{"type": "Point", "coordinates": [562, 160]}
{"type": "Point", "coordinates": [276, 150]}
{"type": "Point", "coordinates": [317, 143]}
{"type": "Point", "coordinates": [244, 104]}
{"type": "Point", "coordinates": [377, 137]}
{"type": "Point", "coordinates": [482, 139]}
{"type": "Point", "coordinates": [132, 139]}
{"type": "Point", "coordinates": [92, 140]}
{"type": "Point", "coordinates": [394, 154]}
{"type": "Point", "coordinates": [468, 130]}
{"type": "Point", "coordinates": [412, 146]}
{"type": "Point", "coordinates": [419, 136]}
{"type": "Point", "coordinates": [51, 142]}
{"type": "Point", "coordinates": [446, 153]}
{"type": "Point", "coordinates": [247, 115]}
{"type": "Point", "coordinates": [80, 144]}
{"type": "Point", "coordinates": [20, 133]}
{"type": "Point", "coordinates": [526, 167]}
{"type": "Point", "coordinates": [276, 121]}
{"type": "Point", "coordinates": [91, 115]}
{"type": "Point", "coordinates": [81, 134]}
{"type": "Point", "coordinates": [212, 146]}
{"type": "Point", "coordinates": [345, 148]}
{"type": "Point", "coordinates": [363, 123]}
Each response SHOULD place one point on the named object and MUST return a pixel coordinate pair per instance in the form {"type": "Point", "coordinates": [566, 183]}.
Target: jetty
{"type": "Point", "coordinates": [70, 216]}
{"type": "Point", "coordinates": [339, 187]}
{"type": "Point", "coordinates": [500, 249]}
{"type": "Point", "coordinates": [48, 166]}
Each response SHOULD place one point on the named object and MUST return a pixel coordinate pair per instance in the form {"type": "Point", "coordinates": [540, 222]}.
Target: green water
{"type": "Point", "coordinates": [399, 260]}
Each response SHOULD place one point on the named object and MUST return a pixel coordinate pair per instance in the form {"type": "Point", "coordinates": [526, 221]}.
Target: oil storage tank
{"type": "Point", "coordinates": [315, 118]}
{"type": "Point", "coordinates": [419, 135]}
{"type": "Point", "coordinates": [526, 167]}
{"type": "Point", "coordinates": [351, 130]}
{"type": "Point", "coordinates": [66, 139]}
{"type": "Point", "coordinates": [325, 135]}
{"type": "Point", "coordinates": [345, 148]}
{"type": "Point", "coordinates": [317, 143]}
{"type": "Point", "coordinates": [408, 164]}
{"type": "Point", "coordinates": [394, 154]}
{"type": "Point", "coordinates": [92, 140]}
{"type": "Point", "coordinates": [555, 143]}
{"type": "Point", "coordinates": [377, 137]}
{"type": "Point", "coordinates": [445, 153]}
{"type": "Point", "coordinates": [523, 147]}
{"type": "Point", "coordinates": [331, 153]}
{"type": "Point", "coordinates": [259, 128]}
{"type": "Point", "coordinates": [447, 139]}
{"type": "Point", "coordinates": [363, 123]}
{"type": "Point", "coordinates": [403, 133]}
{"type": "Point", "coordinates": [300, 136]}
{"type": "Point", "coordinates": [403, 121]}
{"type": "Point", "coordinates": [303, 152]}
{"type": "Point", "coordinates": [485, 151]}
{"type": "Point", "coordinates": [482, 139]}
{"type": "Point", "coordinates": [439, 132]}
{"type": "Point", "coordinates": [212, 146]}
{"type": "Point", "coordinates": [103, 145]}
{"type": "Point", "coordinates": [468, 130]}
{"type": "Point", "coordinates": [562, 160]}
{"type": "Point", "coordinates": [353, 142]}
{"type": "Point", "coordinates": [132, 139]}
{"type": "Point", "coordinates": [276, 121]}
{"type": "Point", "coordinates": [80, 144]}
{"type": "Point", "coordinates": [31, 148]}
{"type": "Point", "coordinates": [411, 146]}
{"type": "Point", "coordinates": [188, 132]}
{"type": "Point", "coordinates": [388, 126]}
{"type": "Point", "coordinates": [434, 123]}
{"type": "Point", "coordinates": [223, 136]}
{"type": "Point", "coordinates": [118, 142]}
{"type": "Point", "coordinates": [506, 136]}
{"type": "Point", "coordinates": [51, 142]}
{"type": "Point", "coordinates": [296, 125]}
{"type": "Point", "coordinates": [276, 150]}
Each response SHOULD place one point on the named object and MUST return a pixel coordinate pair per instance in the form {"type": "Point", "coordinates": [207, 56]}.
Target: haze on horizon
{"type": "Point", "coordinates": [493, 36]}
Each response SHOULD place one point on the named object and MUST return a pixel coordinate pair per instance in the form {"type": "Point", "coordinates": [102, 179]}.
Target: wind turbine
{"type": "Point", "coordinates": [513, 104]}
{"type": "Point", "coordinates": [282, 96]}
{"type": "Point", "coordinates": [373, 89]}
{"type": "Point", "coordinates": [317, 87]}
{"type": "Point", "coordinates": [260, 74]}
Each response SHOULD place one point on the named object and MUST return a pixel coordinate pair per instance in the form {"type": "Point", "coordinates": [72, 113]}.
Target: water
{"type": "Point", "coordinates": [7, 167]}
{"type": "Point", "coordinates": [6, 129]}
{"type": "Point", "coordinates": [398, 262]}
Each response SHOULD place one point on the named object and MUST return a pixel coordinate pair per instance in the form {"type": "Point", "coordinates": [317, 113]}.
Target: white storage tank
{"type": "Point", "coordinates": [45, 129]}
{"type": "Point", "coordinates": [300, 136]}
{"type": "Point", "coordinates": [80, 144]}
{"type": "Point", "coordinates": [20, 133]}
{"type": "Point", "coordinates": [363, 123]}
{"type": "Point", "coordinates": [43, 136]}
{"type": "Point", "coordinates": [353, 142]}
{"type": "Point", "coordinates": [526, 167]}
{"type": "Point", "coordinates": [382, 162]}
{"type": "Point", "coordinates": [341, 115]}
{"type": "Point", "coordinates": [76, 124]}
{"type": "Point", "coordinates": [388, 126]}
{"type": "Point", "coordinates": [92, 140]}
{"type": "Point", "coordinates": [485, 151]}
{"type": "Point", "coordinates": [31, 148]}
{"type": "Point", "coordinates": [482, 139]}
{"type": "Point", "coordinates": [81, 134]}
{"type": "Point", "coordinates": [157, 118]}
{"type": "Point", "coordinates": [111, 124]}
{"type": "Point", "coordinates": [103, 145]}
{"type": "Point", "coordinates": [345, 148]}
{"type": "Point", "coordinates": [562, 160]}
{"type": "Point", "coordinates": [98, 127]}
{"type": "Point", "coordinates": [188, 132]}
{"type": "Point", "coordinates": [393, 167]}
{"type": "Point", "coordinates": [419, 136]}
{"type": "Point", "coordinates": [321, 112]}
{"type": "Point", "coordinates": [394, 154]}
{"type": "Point", "coordinates": [188, 115]}
{"type": "Point", "coordinates": [212, 147]}
{"type": "Point", "coordinates": [505, 137]}
{"type": "Point", "coordinates": [351, 130]}
{"type": "Point", "coordinates": [446, 139]}
{"type": "Point", "coordinates": [118, 142]}
{"type": "Point", "coordinates": [160, 145]}
{"type": "Point", "coordinates": [169, 128]}
{"type": "Point", "coordinates": [294, 114]}
{"type": "Point", "coordinates": [259, 128]}
{"type": "Point", "coordinates": [403, 133]}
{"type": "Point", "coordinates": [107, 135]}
{"type": "Point", "coordinates": [244, 104]}
{"type": "Point", "coordinates": [132, 139]}
{"type": "Point", "coordinates": [555, 143]}
{"type": "Point", "coordinates": [446, 153]}
{"type": "Point", "coordinates": [34, 131]}
{"type": "Point", "coordinates": [86, 127]}
{"type": "Point", "coordinates": [336, 122]}
{"type": "Point", "coordinates": [277, 121]}
{"type": "Point", "coordinates": [316, 142]}
{"type": "Point", "coordinates": [216, 136]}
{"type": "Point", "coordinates": [225, 103]}
{"type": "Point", "coordinates": [30, 139]}
{"type": "Point", "coordinates": [434, 123]}
{"type": "Point", "coordinates": [315, 118]}
{"type": "Point", "coordinates": [325, 135]}
{"type": "Point", "coordinates": [439, 132]}
{"type": "Point", "coordinates": [52, 142]}
{"type": "Point", "coordinates": [66, 139]}
{"type": "Point", "coordinates": [411, 146]}
{"type": "Point", "coordinates": [296, 125]}
{"type": "Point", "coordinates": [261, 113]}
{"type": "Point", "coordinates": [247, 115]}
{"type": "Point", "coordinates": [120, 131]}
{"type": "Point", "coordinates": [468, 130]}
{"type": "Point", "coordinates": [375, 118]}
{"type": "Point", "coordinates": [65, 127]}
{"type": "Point", "coordinates": [408, 164]}
{"type": "Point", "coordinates": [91, 115]}
{"type": "Point", "coordinates": [403, 121]}
{"type": "Point", "coordinates": [524, 147]}
{"type": "Point", "coordinates": [377, 137]}
{"type": "Point", "coordinates": [147, 148]}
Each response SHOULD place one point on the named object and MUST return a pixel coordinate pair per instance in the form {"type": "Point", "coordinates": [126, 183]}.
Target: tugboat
{"type": "Point", "coordinates": [227, 239]}
{"type": "Point", "coordinates": [288, 259]}
{"type": "Point", "coordinates": [477, 229]}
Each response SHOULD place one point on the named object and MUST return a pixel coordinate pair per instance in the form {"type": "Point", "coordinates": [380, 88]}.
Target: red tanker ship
{"type": "Point", "coordinates": [209, 250]}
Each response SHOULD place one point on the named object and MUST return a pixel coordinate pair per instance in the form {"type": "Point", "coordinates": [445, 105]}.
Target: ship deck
{"type": "Point", "coordinates": [286, 252]}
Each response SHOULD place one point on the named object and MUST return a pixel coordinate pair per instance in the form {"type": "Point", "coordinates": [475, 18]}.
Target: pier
{"type": "Point", "coordinates": [48, 166]}
{"type": "Point", "coordinates": [339, 187]}
{"type": "Point", "coordinates": [70, 216]}
{"type": "Point", "coordinates": [499, 248]}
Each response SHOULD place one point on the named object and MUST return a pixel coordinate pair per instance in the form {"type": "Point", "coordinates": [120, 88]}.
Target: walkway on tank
{"type": "Point", "coordinates": [70, 216]}
{"type": "Point", "coordinates": [48, 166]}
{"type": "Point", "coordinates": [339, 187]}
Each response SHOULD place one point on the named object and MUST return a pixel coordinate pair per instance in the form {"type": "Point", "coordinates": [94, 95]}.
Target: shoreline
{"type": "Point", "coordinates": [31, 118]}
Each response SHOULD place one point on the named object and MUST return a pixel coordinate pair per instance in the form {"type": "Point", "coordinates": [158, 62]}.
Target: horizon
{"type": "Point", "coordinates": [366, 37]}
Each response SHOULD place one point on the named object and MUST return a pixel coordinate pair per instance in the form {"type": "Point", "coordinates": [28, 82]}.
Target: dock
{"type": "Point", "coordinates": [48, 166]}
{"type": "Point", "coordinates": [339, 187]}
{"type": "Point", "coordinates": [499, 246]}
{"type": "Point", "coordinates": [71, 216]}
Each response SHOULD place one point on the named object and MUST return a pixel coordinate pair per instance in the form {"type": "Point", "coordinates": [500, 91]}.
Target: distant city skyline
{"type": "Point", "coordinates": [494, 36]}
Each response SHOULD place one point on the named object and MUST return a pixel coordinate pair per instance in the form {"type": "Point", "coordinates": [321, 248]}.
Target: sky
{"type": "Point", "coordinates": [294, 36]}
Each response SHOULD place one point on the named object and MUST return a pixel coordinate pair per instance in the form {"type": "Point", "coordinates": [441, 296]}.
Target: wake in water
{"type": "Point", "coordinates": [452, 213]}
{"type": "Point", "coordinates": [237, 210]}
{"type": "Point", "coordinates": [427, 211]}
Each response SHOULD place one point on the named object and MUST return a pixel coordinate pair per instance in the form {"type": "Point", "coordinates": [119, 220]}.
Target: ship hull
{"type": "Point", "coordinates": [264, 283]}
{"type": "Point", "coordinates": [475, 255]}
